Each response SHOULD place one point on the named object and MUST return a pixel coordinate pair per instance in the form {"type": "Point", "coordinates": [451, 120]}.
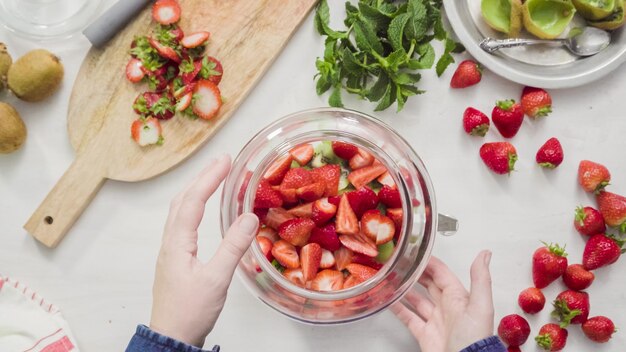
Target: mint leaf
{"type": "Point", "coordinates": [372, 15]}
{"type": "Point", "coordinates": [418, 23]}
{"type": "Point", "coordinates": [366, 38]}
{"type": "Point", "coordinates": [395, 32]}
{"type": "Point", "coordinates": [335, 98]}
{"type": "Point", "coordinates": [322, 22]}
{"type": "Point", "coordinates": [446, 59]}
{"type": "Point", "coordinates": [388, 98]}
{"type": "Point", "coordinates": [426, 59]}
{"type": "Point", "coordinates": [378, 89]}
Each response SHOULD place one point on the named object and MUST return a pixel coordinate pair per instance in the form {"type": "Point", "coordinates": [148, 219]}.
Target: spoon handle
{"type": "Point", "coordinates": [491, 45]}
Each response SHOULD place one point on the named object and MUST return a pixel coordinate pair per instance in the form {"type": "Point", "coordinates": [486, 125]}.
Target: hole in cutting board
{"type": "Point", "coordinates": [48, 220]}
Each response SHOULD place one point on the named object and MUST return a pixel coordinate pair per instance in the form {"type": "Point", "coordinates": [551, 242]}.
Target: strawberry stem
{"type": "Point", "coordinates": [505, 104]}
{"type": "Point", "coordinates": [512, 160]}
{"type": "Point", "coordinates": [555, 248]}
{"type": "Point", "coordinates": [563, 313]}
{"type": "Point", "coordinates": [544, 341]}
{"type": "Point", "coordinates": [601, 187]}
{"type": "Point", "coordinates": [580, 215]}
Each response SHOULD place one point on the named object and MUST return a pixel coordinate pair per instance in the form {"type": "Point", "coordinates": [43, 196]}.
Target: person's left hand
{"type": "Point", "coordinates": [189, 295]}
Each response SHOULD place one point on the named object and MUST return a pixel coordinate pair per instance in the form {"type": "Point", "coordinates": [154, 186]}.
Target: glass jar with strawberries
{"type": "Point", "coordinates": [347, 212]}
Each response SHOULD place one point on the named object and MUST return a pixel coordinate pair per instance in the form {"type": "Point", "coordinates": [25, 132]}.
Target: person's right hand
{"type": "Point", "coordinates": [452, 318]}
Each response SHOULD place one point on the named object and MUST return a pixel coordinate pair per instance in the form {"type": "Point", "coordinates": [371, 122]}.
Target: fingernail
{"type": "Point", "coordinates": [249, 223]}
{"type": "Point", "coordinates": [487, 258]}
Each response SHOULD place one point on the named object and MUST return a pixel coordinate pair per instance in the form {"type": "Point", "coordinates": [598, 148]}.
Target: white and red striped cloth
{"type": "Point", "coordinates": [30, 324]}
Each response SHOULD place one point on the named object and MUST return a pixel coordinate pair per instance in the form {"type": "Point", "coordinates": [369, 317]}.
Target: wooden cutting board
{"type": "Point", "coordinates": [246, 36]}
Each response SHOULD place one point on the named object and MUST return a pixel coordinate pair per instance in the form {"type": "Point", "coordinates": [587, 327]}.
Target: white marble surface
{"type": "Point", "coordinates": [101, 274]}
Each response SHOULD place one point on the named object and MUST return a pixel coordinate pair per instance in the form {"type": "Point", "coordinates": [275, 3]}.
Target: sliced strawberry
{"type": "Point", "coordinates": [344, 150]}
{"type": "Point", "coordinates": [328, 259]}
{"type": "Point", "coordinates": [334, 200]}
{"type": "Point", "coordinates": [331, 174]}
{"type": "Point", "coordinates": [343, 257]}
{"type": "Point", "coordinates": [276, 172]}
{"type": "Point", "coordinates": [323, 211]}
{"type": "Point", "coordinates": [302, 153]}
{"type": "Point", "coordinates": [295, 276]}
{"type": "Point", "coordinates": [362, 200]}
{"type": "Point", "coordinates": [194, 40]}
{"type": "Point", "coordinates": [266, 197]}
{"type": "Point", "coordinates": [361, 272]}
{"type": "Point", "coordinates": [134, 73]}
{"type": "Point", "coordinates": [310, 258]}
{"type": "Point", "coordinates": [386, 180]}
{"type": "Point", "coordinates": [146, 132]}
{"type": "Point", "coordinates": [190, 75]}
{"type": "Point", "coordinates": [362, 259]}
{"type": "Point", "coordinates": [346, 222]}
{"type": "Point", "coordinates": [350, 281]}
{"type": "Point", "coordinates": [326, 237]}
{"type": "Point", "coordinates": [361, 159]}
{"type": "Point", "coordinates": [285, 253]}
{"type": "Point", "coordinates": [359, 243]}
{"type": "Point", "coordinates": [184, 102]}
{"type": "Point", "coordinates": [289, 195]}
{"type": "Point", "coordinates": [396, 214]}
{"type": "Point", "coordinates": [266, 246]}
{"type": "Point", "coordinates": [269, 233]}
{"type": "Point", "coordinates": [208, 99]}
{"type": "Point", "coordinates": [390, 197]}
{"type": "Point", "coordinates": [276, 216]}
{"type": "Point", "coordinates": [296, 178]}
{"type": "Point", "coordinates": [296, 231]}
{"type": "Point", "coordinates": [363, 176]}
{"type": "Point", "coordinates": [327, 280]}
{"type": "Point", "coordinates": [302, 211]}
{"type": "Point", "coordinates": [164, 51]}
{"type": "Point", "coordinates": [216, 71]}
{"type": "Point", "coordinates": [311, 192]}
{"type": "Point", "coordinates": [166, 11]}
{"type": "Point", "coordinates": [377, 227]}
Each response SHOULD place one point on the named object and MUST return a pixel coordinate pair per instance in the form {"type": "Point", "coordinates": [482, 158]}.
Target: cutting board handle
{"type": "Point", "coordinates": [64, 204]}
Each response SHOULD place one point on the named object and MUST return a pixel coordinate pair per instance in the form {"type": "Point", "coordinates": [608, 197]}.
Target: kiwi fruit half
{"type": "Point", "coordinates": [503, 15]}
{"type": "Point", "coordinates": [614, 21]}
{"type": "Point", "coordinates": [35, 76]}
{"type": "Point", "coordinates": [12, 129]}
{"type": "Point", "coordinates": [547, 19]}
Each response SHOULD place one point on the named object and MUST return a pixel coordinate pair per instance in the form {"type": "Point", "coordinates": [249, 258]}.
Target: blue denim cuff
{"type": "Point", "coordinates": [490, 344]}
{"type": "Point", "coordinates": [146, 340]}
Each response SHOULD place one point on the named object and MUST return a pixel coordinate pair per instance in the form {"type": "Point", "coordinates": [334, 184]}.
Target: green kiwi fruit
{"type": "Point", "coordinates": [547, 19]}
{"type": "Point", "coordinates": [12, 129]}
{"type": "Point", "coordinates": [5, 63]}
{"type": "Point", "coordinates": [614, 21]}
{"type": "Point", "coordinates": [503, 15]}
{"type": "Point", "coordinates": [35, 76]}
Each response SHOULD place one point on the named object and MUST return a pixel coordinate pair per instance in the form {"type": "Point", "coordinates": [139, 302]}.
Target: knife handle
{"type": "Point", "coordinates": [113, 21]}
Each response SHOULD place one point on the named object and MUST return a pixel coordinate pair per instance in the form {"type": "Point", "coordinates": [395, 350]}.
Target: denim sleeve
{"type": "Point", "coordinates": [490, 344]}
{"type": "Point", "coordinates": [146, 340]}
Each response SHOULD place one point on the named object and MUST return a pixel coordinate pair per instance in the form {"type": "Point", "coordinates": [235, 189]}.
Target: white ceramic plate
{"type": "Point", "coordinates": [539, 66]}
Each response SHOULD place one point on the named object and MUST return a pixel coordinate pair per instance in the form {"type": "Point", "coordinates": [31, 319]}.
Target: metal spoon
{"type": "Point", "coordinates": [585, 42]}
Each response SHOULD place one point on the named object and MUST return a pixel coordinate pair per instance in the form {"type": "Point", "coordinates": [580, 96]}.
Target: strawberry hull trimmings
{"type": "Point", "coordinates": [331, 215]}
{"type": "Point", "coordinates": [180, 77]}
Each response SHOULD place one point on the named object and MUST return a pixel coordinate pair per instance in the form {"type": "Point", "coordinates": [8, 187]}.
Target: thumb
{"type": "Point", "coordinates": [234, 245]}
{"type": "Point", "coordinates": [481, 299]}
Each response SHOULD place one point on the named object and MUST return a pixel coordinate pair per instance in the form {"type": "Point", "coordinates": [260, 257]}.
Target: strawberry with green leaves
{"type": "Point", "coordinates": [500, 157]}
{"type": "Point", "coordinates": [550, 155]}
{"type": "Point", "coordinates": [551, 337]}
{"type": "Point", "coordinates": [602, 250]}
{"type": "Point", "coordinates": [548, 264]}
{"type": "Point", "coordinates": [536, 102]}
{"type": "Point", "coordinates": [589, 221]}
{"type": "Point", "coordinates": [593, 177]}
{"type": "Point", "coordinates": [613, 209]}
{"type": "Point", "coordinates": [571, 307]}
{"type": "Point", "coordinates": [475, 123]}
{"type": "Point", "coordinates": [147, 131]}
{"type": "Point", "coordinates": [507, 116]}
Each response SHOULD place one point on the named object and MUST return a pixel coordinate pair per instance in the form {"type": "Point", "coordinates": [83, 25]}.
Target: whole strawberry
{"type": "Point", "coordinates": [536, 102]}
{"type": "Point", "coordinates": [551, 337]}
{"type": "Point", "coordinates": [549, 263]}
{"type": "Point", "coordinates": [513, 330]}
{"type": "Point", "coordinates": [599, 329]}
{"type": "Point", "coordinates": [507, 116]}
{"type": "Point", "coordinates": [601, 250]}
{"type": "Point", "coordinates": [550, 154]}
{"type": "Point", "coordinates": [467, 74]}
{"type": "Point", "coordinates": [531, 300]}
{"type": "Point", "coordinates": [593, 177]}
{"type": "Point", "coordinates": [571, 307]}
{"type": "Point", "coordinates": [513, 349]}
{"type": "Point", "coordinates": [475, 122]}
{"type": "Point", "coordinates": [589, 221]}
{"type": "Point", "coordinates": [577, 278]}
{"type": "Point", "coordinates": [500, 157]}
{"type": "Point", "coordinates": [613, 209]}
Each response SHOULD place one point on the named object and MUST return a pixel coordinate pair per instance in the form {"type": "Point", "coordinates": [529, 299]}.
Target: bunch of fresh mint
{"type": "Point", "coordinates": [380, 53]}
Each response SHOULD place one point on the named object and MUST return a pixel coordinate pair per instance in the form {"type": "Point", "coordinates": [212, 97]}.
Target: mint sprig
{"type": "Point", "coordinates": [378, 55]}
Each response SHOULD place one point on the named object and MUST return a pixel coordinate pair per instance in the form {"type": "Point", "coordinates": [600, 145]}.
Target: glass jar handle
{"type": "Point", "coordinates": [447, 225]}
